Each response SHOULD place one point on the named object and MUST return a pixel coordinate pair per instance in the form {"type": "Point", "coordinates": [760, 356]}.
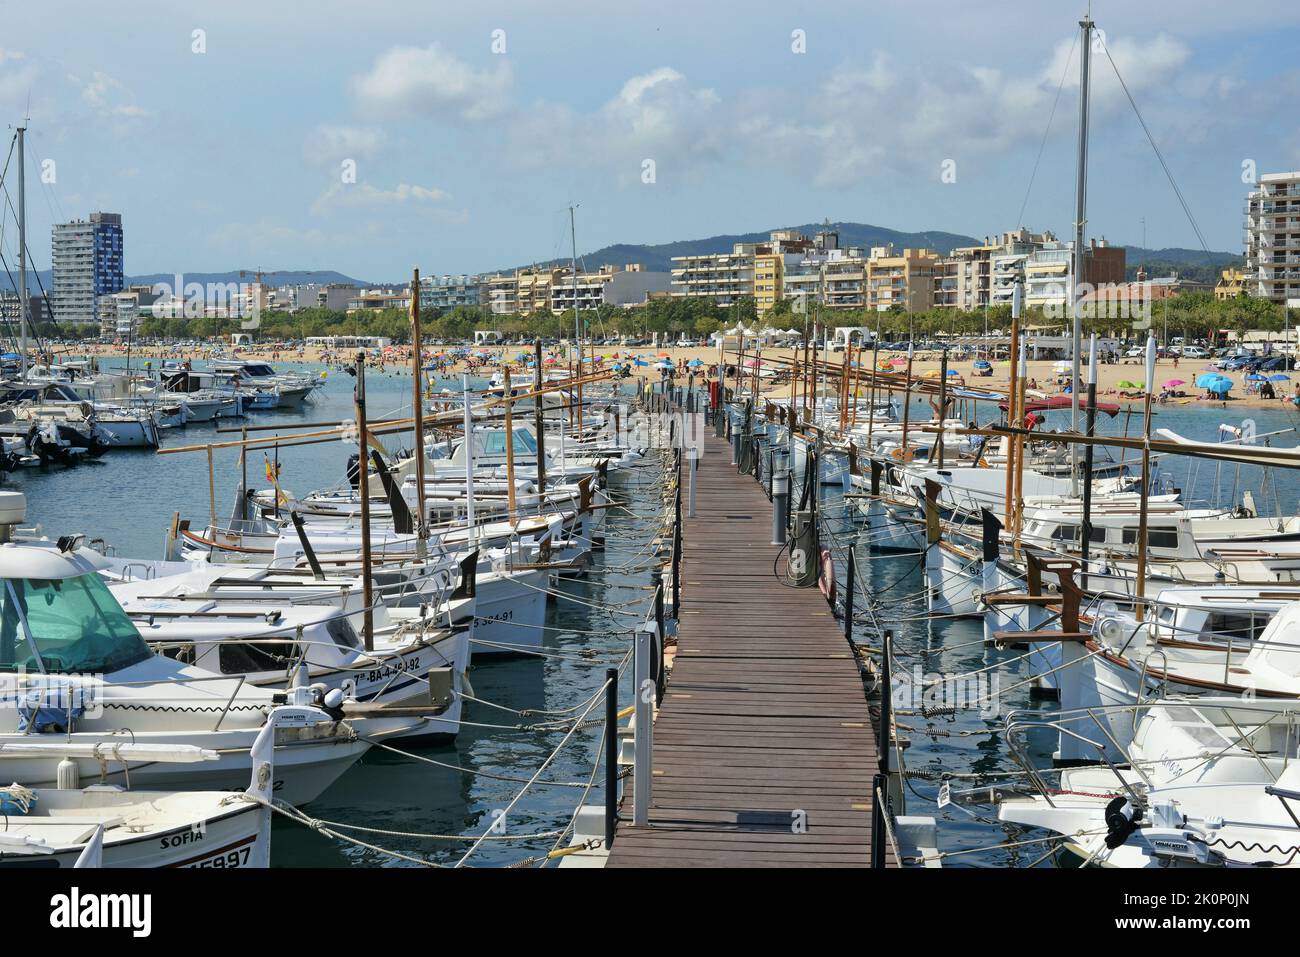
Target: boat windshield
{"type": "Point", "coordinates": [495, 443]}
{"type": "Point", "coordinates": [75, 625]}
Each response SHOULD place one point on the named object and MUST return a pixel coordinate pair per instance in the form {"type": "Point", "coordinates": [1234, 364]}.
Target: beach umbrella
{"type": "Point", "coordinates": [1126, 384]}
{"type": "Point", "coordinates": [953, 372]}
{"type": "Point", "coordinates": [1279, 377]}
{"type": "Point", "coordinates": [1203, 381]}
{"type": "Point", "coordinates": [1256, 377]}
{"type": "Point", "coordinates": [695, 363]}
{"type": "Point", "coordinates": [1173, 382]}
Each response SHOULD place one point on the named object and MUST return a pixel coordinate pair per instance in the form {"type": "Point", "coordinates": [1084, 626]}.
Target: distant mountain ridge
{"type": "Point", "coordinates": [657, 257]}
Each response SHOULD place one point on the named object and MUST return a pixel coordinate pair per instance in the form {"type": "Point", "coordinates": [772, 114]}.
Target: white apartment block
{"type": "Point", "coordinates": [72, 254]}
{"type": "Point", "coordinates": [1273, 238]}
{"type": "Point", "coordinates": [724, 277]}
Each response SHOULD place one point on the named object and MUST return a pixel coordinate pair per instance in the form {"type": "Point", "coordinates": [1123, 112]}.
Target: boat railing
{"type": "Point", "coordinates": [294, 634]}
{"type": "Point", "coordinates": [1142, 680]}
{"type": "Point", "coordinates": [1079, 723]}
{"type": "Point", "coordinates": [148, 682]}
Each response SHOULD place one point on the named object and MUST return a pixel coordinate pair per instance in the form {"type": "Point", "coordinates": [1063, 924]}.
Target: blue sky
{"type": "Point", "coordinates": [467, 156]}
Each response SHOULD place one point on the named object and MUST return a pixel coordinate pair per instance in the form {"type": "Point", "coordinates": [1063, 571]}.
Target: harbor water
{"type": "Point", "coordinates": [128, 498]}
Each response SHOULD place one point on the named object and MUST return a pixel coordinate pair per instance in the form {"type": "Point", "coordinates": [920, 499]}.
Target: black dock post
{"type": "Point", "coordinates": [849, 584]}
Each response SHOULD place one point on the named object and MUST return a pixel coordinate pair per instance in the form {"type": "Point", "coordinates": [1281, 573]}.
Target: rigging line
{"type": "Point", "coordinates": [1041, 146]}
{"type": "Point", "coordinates": [1160, 156]}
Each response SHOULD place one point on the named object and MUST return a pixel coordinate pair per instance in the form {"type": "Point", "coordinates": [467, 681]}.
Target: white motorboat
{"type": "Point", "coordinates": [111, 826]}
{"type": "Point", "coordinates": [1205, 783]}
{"type": "Point", "coordinates": [77, 668]}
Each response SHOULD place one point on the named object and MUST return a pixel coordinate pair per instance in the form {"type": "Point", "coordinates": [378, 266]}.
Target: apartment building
{"type": "Point", "coordinates": [1273, 238]}
{"type": "Point", "coordinates": [1046, 265]}
{"type": "Point", "coordinates": [1232, 283]}
{"type": "Point", "coordinates": [38, 308]}
{"type": "Point", "coordinates": [444, 293]}
{"type": "Point", "coordinates": [1007, 261]}
{"type": "Point", "coordinates": [901, 280]}
{"type": "Point", "coordinates": [610, 285]}
{"type": "Point", "coordinates": [533, 288]}
{"type": "Point", "coordinates": [375, 299]}
{"type": "Point", "coordinates": [964, 278]}
{"type": "Point", "coordinates": [722, 277]}
{"type": "Point", "coordinates": [502, 293]}
{"type": "Point", "coordinates": [86, 256]}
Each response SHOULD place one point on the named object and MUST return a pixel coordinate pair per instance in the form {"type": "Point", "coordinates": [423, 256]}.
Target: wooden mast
{"type": "Point", "coordinates": [417, 398]}
{"type": "Point", "coordinates": [510, 450]}
{"type": "Point", "coordinates": [539, 422]}
{"type": "Point", "coordinates": [1141, 584]}
{"type": "Point", "coordinates": [363, 490]}
{"type": "Point", "coordinates": [907, 405]}
{"type": "Point", "coordinates": [1013, 395]}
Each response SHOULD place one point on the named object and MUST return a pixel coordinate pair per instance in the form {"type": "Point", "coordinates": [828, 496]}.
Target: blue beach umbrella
{"type": "Point", "coordinates": [1279, 377]}
{"type": "Point", "coordinates": [696, 363]}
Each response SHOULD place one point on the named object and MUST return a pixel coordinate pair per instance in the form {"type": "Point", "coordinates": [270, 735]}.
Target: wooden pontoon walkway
{"type": "Point", "coordinates": [764, 724]}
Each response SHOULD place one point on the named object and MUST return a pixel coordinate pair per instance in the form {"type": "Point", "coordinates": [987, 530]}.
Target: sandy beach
{"type": "Point", "coordinates": [1118, 382]}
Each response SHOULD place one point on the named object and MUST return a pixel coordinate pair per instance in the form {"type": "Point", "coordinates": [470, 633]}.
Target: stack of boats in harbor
{"type": "Point", "coordinates": [1163, 636]}
{"type": "Point", "coordinates": [155, 699]}
{"type": "Point", "coordinates": [64, 412]}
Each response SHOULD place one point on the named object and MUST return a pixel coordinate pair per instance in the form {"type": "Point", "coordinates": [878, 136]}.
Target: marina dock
{"type": "Point", "coordinates": [764, 751]}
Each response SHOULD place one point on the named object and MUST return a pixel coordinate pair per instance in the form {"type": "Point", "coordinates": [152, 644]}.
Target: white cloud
{"type": "Point", "coordinates": [908, 117]}
{"type": "Point", "coordinates": [108, 95]}
{"type": "Point", "coordinates": [265, 234]}
{"type": "Point", "coordinates": [657, 115]}
{"type": "Point", "coordinates": [17, 77]}
{"type": "Point", "coordinates": [433, 81]}
{"type": "Point", "coordinates": [331, 144]}
{"type": "Point", "coordinates": [365, 195]}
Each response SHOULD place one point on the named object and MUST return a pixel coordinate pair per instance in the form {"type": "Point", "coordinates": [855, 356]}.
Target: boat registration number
{"type": "Point", "coordinates": [235, 858]}
{"type": "Point", "coordinates": [388, 671]}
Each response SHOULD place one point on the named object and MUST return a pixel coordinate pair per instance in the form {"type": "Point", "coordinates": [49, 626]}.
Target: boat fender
{"type": "Point", "coordinates": [332, 703]}
{"type": "Point", "coordinates": [1122, 819]}
{"type": "Point", "coordinates": [826, 580]}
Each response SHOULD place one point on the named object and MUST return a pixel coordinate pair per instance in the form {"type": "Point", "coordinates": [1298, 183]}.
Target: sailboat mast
{"type": "Point", "coordinates": [1080, 222]}
{"type": "Point", "coordinates": [22, 249]}
{"type": "Point", "coordinates": [417, 398]}
{"type": "Point", "coordinates": [577, 326]}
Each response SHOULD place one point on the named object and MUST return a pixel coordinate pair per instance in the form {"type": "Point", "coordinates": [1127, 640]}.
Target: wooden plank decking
{"type": "Point", "coordinates": [764, 722]}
